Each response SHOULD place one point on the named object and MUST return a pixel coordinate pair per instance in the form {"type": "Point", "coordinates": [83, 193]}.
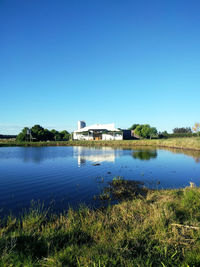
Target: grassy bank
{"type": "Point", "coordinates": [159, 228]}
{"type": "Point", "coordinates": [182, 143]}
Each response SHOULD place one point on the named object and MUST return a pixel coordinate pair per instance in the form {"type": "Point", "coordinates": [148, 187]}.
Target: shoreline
{"type": "Point", "coordinates": [188, 143]}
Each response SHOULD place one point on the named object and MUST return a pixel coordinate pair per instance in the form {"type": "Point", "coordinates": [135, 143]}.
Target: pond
{"type": "Point", "coordinates": [64, 177]}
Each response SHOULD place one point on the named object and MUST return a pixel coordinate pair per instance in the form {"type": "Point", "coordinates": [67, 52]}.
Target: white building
{"type": "Point", "coordinates": [97, 132]}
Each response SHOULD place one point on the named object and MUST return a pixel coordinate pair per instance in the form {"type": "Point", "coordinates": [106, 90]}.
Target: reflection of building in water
{"type": "Point", "coordinates": [94, 155]}
{"type": "Point", "coordinates": [81, 161]}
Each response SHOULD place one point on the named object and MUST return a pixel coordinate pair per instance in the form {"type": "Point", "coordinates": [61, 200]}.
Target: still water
{"type": "Point", "coordinates": [69, 176]}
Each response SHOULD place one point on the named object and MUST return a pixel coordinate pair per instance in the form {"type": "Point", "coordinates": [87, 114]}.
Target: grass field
{"type": "Point", "coordinates": [182, 143]}
{"type": "Point", "coordinates": [156, 228]}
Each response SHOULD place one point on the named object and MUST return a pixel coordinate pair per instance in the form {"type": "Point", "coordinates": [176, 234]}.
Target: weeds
{"type": "Point", "coordinates": [157, 228]}
{"type": "Point", "coordinates": [121, 189]}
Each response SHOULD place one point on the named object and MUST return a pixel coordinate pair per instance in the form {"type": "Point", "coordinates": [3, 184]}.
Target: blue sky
{"type": "Point", "coordinates": [102, 61]}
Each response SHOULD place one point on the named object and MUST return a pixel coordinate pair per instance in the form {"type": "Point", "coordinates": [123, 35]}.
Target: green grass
{"type": "Point", "coordinates": [158, 228]}
{"type": "Point", "coordinates": [182, 143]}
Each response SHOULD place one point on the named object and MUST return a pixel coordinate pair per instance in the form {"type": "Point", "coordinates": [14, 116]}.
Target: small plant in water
{"type": "Point", "coordinates": [118, 180]}
{"type": "Point", "coordinates": [104, 196]}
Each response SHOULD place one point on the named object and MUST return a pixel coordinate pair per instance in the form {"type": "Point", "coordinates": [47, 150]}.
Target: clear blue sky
{"type": "Point", "coordinates": [102, 61]}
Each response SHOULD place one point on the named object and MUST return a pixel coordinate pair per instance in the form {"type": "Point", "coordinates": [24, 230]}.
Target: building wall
{"type": "Point", "coordinates": [127, 135]}
{"type": "Point", "coordinates": [79, 136]}
{"type": "Point", "coordinates": [111, 136]}
{"type": "Point", "coordinates": [107, 136]}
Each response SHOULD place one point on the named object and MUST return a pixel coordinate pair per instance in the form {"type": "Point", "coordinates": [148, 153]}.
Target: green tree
{"type": "Point", "coordinates": [133, 127]}
{"type": "Point", "coordinates": [138, 130]}
{"type": "Point", "coordinates": [182, 130]}
{"type": "Point", "coordinates": [153, 132]}
{"type": "Point", "coordinates": [145, 131]}
{"type": "Point", "coordinates": [41, 134]}
{"type": "Point", "coordinates": [38, 133]}
{"type": "Point", "coordinates": [56, 135]}
{"type": "Point", "coordinates": [163, 134]}
{"type": "Point", "coordinates": [22, 137]}
{"type": "Point", "coordinates": [65, 135]}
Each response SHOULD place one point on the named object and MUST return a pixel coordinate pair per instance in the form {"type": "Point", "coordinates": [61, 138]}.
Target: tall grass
{"type": "Point", "coordinates": [160, 228]}
{"type": "Point", "coordinates": [182, 143]}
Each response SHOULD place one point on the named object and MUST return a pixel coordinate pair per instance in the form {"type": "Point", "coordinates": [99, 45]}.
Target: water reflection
{"type": "Point", "coordinates": [145, 154]}
{"type": "Point", "coordinates": [94, 155]}
{"type": "Point", "coordinates": [34, 154]}
{"type": "Point", "coordinates": [195, 154]}
{"type": "Point", "coordinates": [83, 154]}
{"type": "Point", "coordinates": [48, 173]}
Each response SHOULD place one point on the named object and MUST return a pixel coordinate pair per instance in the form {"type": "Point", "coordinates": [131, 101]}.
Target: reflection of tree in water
{"type": "Point", "coordinates": [145, 154]}
{"type": "Point", "coordinates": [33, 154]}
{"type": "Point", "coordinates": [39, 154]}
{"type": "Point", "coordinates": [197, 160]}
{"type": "Point", "coordinates": [192, 153]}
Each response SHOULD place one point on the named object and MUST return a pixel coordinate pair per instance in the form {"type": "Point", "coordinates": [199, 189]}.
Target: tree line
{"type": "Point", "coordinates": [148, 132]}
{"type": "Point", "coordinates": [38, 133]}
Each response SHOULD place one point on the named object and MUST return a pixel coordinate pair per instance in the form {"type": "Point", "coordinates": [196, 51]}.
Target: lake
{"type": "Point", "coordinates": [64, 177]}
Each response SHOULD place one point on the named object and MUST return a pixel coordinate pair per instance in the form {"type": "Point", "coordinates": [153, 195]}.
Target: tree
{"type": "Point", "coordinates": [182, 130]}
{"type": "Point", "coordinates": [38, 133]}
{"type": "Point", "coordinates": [23, 135]}
{"type": "Point", "coordinates": [133, 127]}
{"type": "Point", "coordinates": [163, 134]}
{"type": "Point", "coordinates": [138, 130]}
{"type": "Point", "coordinates": [145, 131]}
{"type": "Point", "coordinates": [152, 132]}
{"type": "Point", "coordinates": [196, 128]}
{"type": "Point", "coordinates": [65, 135]}
{"type": "Point", "coordinates": [60, 136]}
{"type": "Point", "coordinates": [56, 135]}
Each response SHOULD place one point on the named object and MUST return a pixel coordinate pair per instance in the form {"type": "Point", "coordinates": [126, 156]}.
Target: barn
{"type": "Point", "coordinates": [97, 132]}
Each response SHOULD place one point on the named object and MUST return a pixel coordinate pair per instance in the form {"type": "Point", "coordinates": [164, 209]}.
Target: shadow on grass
{"type": "Point", "coordinates": [37, 246]}
{"type": "Point", "coordinates": [78, 237]}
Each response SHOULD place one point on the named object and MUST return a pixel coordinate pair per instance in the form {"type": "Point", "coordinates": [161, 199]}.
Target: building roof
{"type": "Point", "coordinates": [102, 127]}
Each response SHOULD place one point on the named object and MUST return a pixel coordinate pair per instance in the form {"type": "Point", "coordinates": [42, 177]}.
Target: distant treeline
{"type": "Point", "coordinates": [175, 135]}
{"type": "Point", "coordinates": [179, 132]}
{"type": "Point", "coordinates": [3, 136]}
{"type": "Point", "coordinates": [182, 130]}
{"type": "Point", "coordinates": [38, 133]}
